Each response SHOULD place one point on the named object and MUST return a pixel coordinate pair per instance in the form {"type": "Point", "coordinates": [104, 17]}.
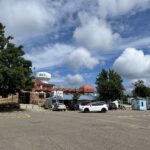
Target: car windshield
{"type": "Point", "coordinates": [60, 103]}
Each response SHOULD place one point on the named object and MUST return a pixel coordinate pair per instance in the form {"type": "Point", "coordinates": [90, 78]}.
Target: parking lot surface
{"type": "Point", "coordinates": [114, 130]}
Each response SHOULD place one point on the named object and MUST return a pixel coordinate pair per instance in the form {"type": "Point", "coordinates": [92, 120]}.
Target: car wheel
{"type": "Point", "coordinates": [86, 110]}
{"type": "Point", "coordinates": [103, 110]}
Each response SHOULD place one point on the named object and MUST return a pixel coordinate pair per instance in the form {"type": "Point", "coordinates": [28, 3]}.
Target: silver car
{"type": "Point", "coordinates": [58, 106]}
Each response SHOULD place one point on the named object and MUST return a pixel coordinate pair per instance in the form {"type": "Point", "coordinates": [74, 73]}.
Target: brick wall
{"type": "Point", "coordinates": [9, 99]}
{"type": "Point", "coordinates": [34, 99]}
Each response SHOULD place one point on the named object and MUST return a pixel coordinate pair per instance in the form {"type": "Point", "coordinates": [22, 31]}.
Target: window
{"type": "Point", "coordinates": [98, 103]}
{"type": "Point", "coordinates": [95, 104]}
{"type": "Point", "coordinates": [142, 104]}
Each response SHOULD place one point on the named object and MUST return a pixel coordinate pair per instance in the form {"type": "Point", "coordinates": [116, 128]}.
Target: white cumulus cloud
{"type": "Point", "coordinates": [81, 58]}
{"type": "Point", "coordinates": [49, 56]}
{"type": "Point", "coordinates": [26, 18]}
{"type": "Point", "coordinates": [61, 54]}
{"type": "Point", "coordinates": [133, 63]}
{"type": "Point", "coordinates": [74, 80]}
{"type": "Point", "coordinates": [112, 8]}
{"type": "Point", "coordinates": [94, 33]}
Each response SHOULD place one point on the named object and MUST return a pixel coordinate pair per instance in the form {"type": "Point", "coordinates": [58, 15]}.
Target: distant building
{"type": "Point", "coordinates": [50, 88]}
{"type": "Point", "coordinates": [43, 89]}
{"type": "Point", "coordinates": [86, 89]}
{"type": "Point", "coordinates": [40, 86]}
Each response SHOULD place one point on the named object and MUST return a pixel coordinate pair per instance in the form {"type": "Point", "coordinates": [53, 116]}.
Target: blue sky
{"type": "Point", "coordinates": [74, 40]}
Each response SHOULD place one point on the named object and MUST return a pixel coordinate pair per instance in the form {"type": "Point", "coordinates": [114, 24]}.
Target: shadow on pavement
{"type": "Point", "coordinates": [11, 107]}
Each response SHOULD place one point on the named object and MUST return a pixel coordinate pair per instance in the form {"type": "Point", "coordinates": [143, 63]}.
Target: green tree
{"type": "Point", "coordinates": [102, 85]}
{"type": "Point", "coordinates": [148, 91]}
{"type": "Point", "coordinates": [75, 98]}
{"type": "Point", "coordinates": [109, 85]}
{"type": "Point", "coordinates": [140, 89]}
{"type": "Point", "coordinates": [15, 71]}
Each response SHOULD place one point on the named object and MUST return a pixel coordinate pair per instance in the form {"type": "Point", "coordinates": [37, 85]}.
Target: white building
{"type": "Point", "coordinates": [43, 76]}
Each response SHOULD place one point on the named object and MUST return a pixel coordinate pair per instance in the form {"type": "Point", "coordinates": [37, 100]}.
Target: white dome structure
{"type": "Point", "coordinates": [43, 76]}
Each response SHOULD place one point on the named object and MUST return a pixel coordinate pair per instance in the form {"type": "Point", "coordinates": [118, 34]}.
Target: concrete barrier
{"type": "Point", "coordinates": [31, 107]}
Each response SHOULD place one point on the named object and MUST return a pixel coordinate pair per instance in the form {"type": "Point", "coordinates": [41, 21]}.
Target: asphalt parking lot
{"type": "Point", "coordinates": [47, 130]}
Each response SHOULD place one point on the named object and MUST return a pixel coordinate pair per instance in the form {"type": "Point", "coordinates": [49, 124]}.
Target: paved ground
{"type": "Point", "coordinates": [115, 130]}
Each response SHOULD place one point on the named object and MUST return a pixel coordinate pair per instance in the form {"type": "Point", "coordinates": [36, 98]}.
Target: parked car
{"type": "Point", "coordinates": [94, 107]}
{"type": "Point", "coordinates": [112, 106]}
{"type": "Point", "coordinates": [124, 107]}
{"type": "Point", "coordinates": [58, 106]}
{"type": "Point", "coordinates": [74, 107]}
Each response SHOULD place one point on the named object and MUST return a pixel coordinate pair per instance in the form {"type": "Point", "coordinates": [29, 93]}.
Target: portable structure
{"type": "Point", "coordinates": [139, 104]}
